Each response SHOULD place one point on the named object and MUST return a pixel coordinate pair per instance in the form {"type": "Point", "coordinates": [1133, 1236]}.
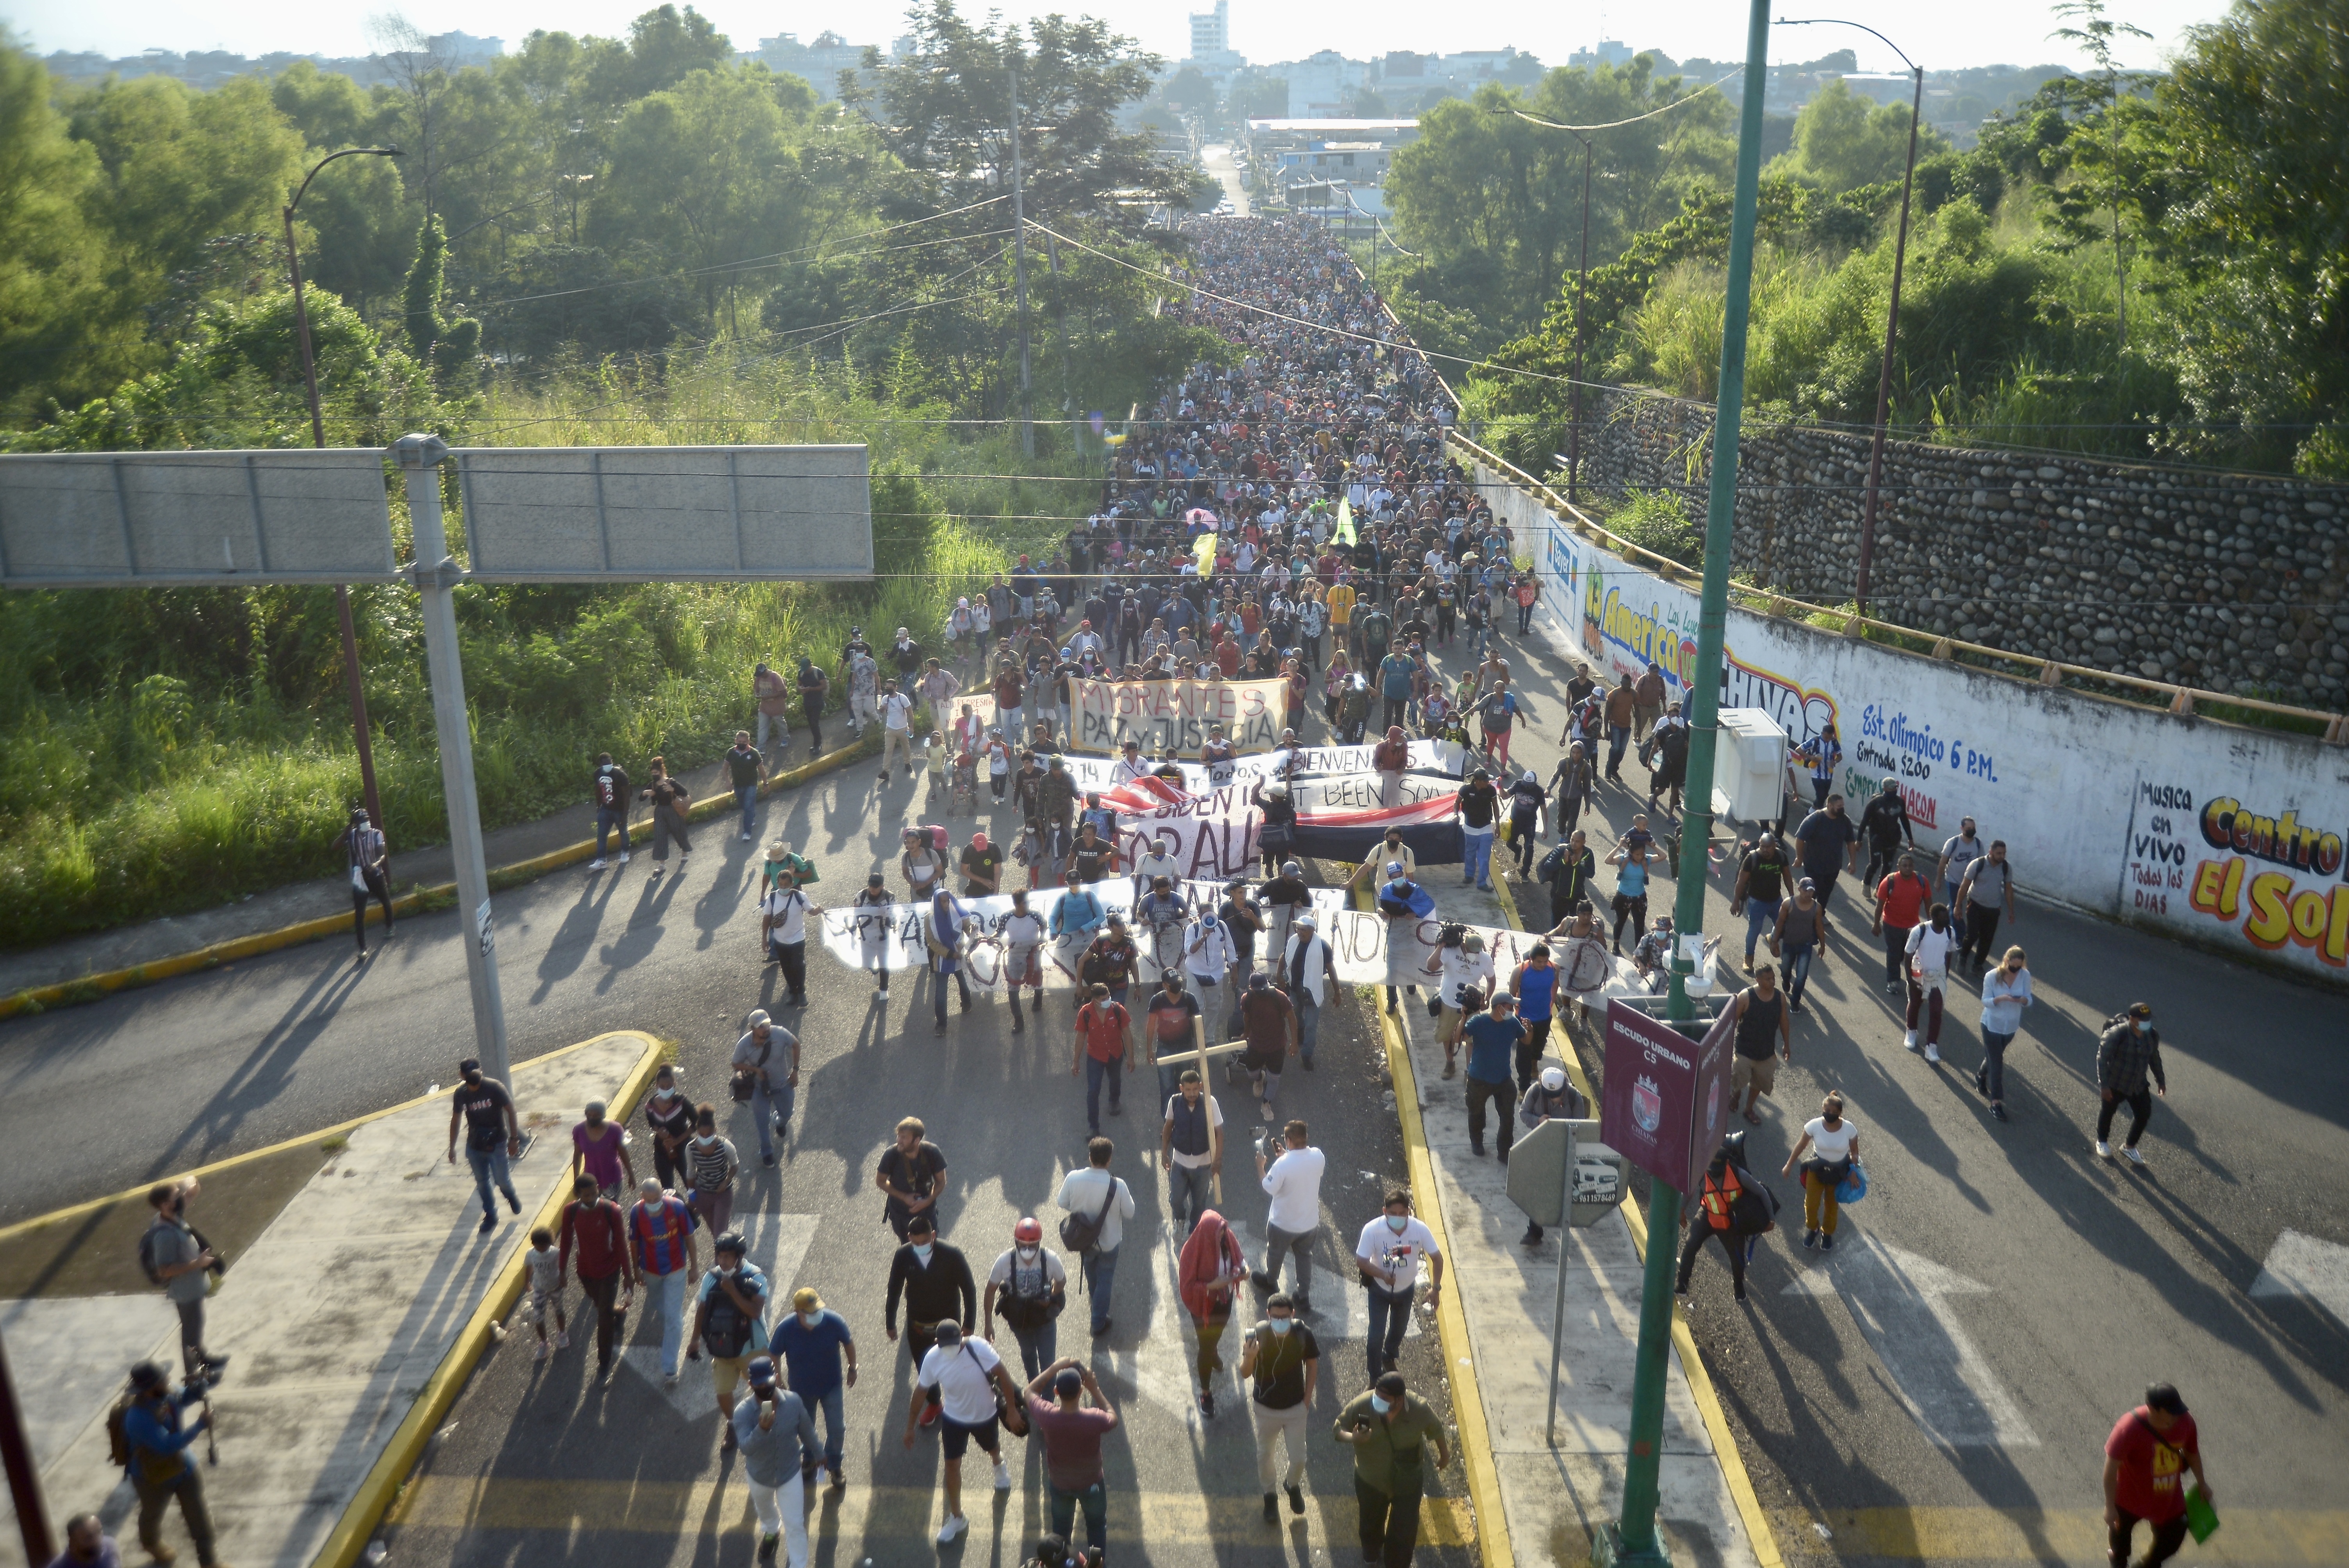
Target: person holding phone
{"type": "Point", "coordinates": [1389, 1429]}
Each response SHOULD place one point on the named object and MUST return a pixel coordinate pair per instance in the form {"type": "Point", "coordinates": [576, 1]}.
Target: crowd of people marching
{"type": "Point", "coordinates": [1289, 516]}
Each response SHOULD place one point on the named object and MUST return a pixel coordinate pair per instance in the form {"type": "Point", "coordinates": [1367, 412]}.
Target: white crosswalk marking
{"type": "Point", "coordinates": [778, 1244]}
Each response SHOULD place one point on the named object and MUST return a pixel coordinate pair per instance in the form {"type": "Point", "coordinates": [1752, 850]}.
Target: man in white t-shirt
{"type": "Point", "coordinates": [1293, 1182]}
{"type": "Point", "coordinates": [1023, 938]}
{"type": "Point", "coordinates": [783, 923]}
{"type": "Point", "coordinates": [964, 1375]}
{"type": "Point", "coordinates": [1093, 1191]}
{"type": "Point", "coordinates": [1128, 767]}
{"type": "Point", "coordinates": [1191, 1146]}
{"type": "Point", "coordinates": [1159, 862]}
{"type": "Point", "coordinates": [896, 729]}
{"type": "Point", "coordinates": [1388, 1254]}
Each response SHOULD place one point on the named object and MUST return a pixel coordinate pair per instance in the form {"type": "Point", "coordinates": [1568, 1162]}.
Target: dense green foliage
{"type": "Point", "coordinates": [2140, 268]}
{"type": "Point", "coordinates": [592, 240]}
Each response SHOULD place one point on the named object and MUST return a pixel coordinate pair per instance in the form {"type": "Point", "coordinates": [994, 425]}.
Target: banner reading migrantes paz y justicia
{"type": "Point", "coordinates": [1177, 715]}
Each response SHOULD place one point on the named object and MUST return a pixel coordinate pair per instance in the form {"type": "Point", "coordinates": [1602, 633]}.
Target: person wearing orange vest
{"type": "Point", "coordinates": [1724, 1179]}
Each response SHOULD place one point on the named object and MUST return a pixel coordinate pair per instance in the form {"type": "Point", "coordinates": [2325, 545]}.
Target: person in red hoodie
{"type": "Point", "coordinates": [1210, 1265]}
{"type": "Point", "coordinates": [2145, 1459]}
{"type": "Point", "coordinates": [594, 1223]}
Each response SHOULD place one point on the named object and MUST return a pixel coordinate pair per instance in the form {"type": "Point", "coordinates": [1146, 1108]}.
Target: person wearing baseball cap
{"type": "Point", "coordinates": [812, 1343]}
{"type": "Point", "coordinates": [2145, 1459]}
{"type": "Point", "coordinates": [1067, 1409]}
{"type": "Point", "coordinates": [777, 1437]}
{"type": "Point", "coordinates": [2129, 1071]}
{"type": "Point", "coordinates": [964, 1377]}
{"type": "Point", "coordinates": [1388, 1428]}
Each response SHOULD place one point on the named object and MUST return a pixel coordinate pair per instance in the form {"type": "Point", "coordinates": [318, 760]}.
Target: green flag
{"type": "Point", "coordinates": [1344, 533]}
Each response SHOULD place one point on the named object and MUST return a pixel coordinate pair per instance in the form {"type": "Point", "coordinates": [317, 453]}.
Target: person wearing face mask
{"type": "Point", "coordinates": [592, 1224]}
{"type": "Point", "coordinates": [485, 1107]}
{"type": "Point", "coordinates": [1373, 869]}
{"type": "Point", "coordinates": [1281, 1361]}
{"type": "Point", "coordinates": [1828, 843]}
{"type": "Point", "coordinates": [661, 1227]}
{"type": "Point", "coordinates": [598, 1151]}
{"type": "Point", "coordinates": [1208, 954]}
{"type": "Point", "coordinates": [767, 1058]}
{"type": "Point", "coordinates": [1389, 1429]}
{"type": "Point", "coordinates": [934, 1282]}
{"type": "Point", "coordinates": [2006, 993]}
{"type": "Point", "coordinates": [2129, 1071]}
{"type": "Point", "coordinates": [1931, 947]}
{"type": "Point", "coordinates": [669, 1118]}
{"type": "Point", "coordinates": [1032, 1287]}
{"type": "Point", "coordinates": [711, 1165]}
{"type": "Point", "coordinates": [731, 1307]}
{"type": "Point", "coordinates": [1387, 1255]}
{"type": "Point", "coordinates": [812, 1344]}
{"type": "Point", "coordinates": [776, 1435]}
{"type": "Point", "coordinates": [176, 1256]}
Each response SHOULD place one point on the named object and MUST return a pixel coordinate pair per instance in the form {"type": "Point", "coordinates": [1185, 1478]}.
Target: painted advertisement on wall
{"type": "Point", "coordinates": [2235, 839]}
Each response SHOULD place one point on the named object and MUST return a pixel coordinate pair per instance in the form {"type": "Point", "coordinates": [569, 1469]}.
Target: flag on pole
{"type": "Point", "coordinates": [1344, 533]}
{"type": "Point", "coordinates": [1205, 552]}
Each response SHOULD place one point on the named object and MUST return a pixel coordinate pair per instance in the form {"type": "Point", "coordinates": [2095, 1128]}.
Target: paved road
{"type": "Point", "coordinates": [1218, 160]}
{"type": "Point", "coordinates": [197, 1069]}
{"type": "Point", "coordinates": [2001, 1295]}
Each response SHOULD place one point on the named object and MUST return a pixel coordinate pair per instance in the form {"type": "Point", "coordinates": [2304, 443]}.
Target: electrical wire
{"type": "Point", "coordinates": [751, 265]}
{"type": "Point", "coordinates": [1619, 124]}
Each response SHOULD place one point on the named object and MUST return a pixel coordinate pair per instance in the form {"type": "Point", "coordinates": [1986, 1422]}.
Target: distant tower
{"type": "Point", "coordinates": [1211, 32]}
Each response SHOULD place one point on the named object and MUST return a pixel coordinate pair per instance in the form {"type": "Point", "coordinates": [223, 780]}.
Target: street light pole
{"type": "Point", "coordinates": [1633, 1538]}
{"type": "Point", "coordinates": [318, 438]}
{"type": "Point", "coordinates": [1892, 312]}
{"type": "Point", "coordinates": [1581, 288]}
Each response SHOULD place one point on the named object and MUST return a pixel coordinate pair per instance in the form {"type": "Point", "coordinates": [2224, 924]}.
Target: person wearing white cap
{"type": "Point", "coordinates": [1308, 970]}
{"type": "Point", "coordinates": [773, 1075]}
{"type": "Point", "coordinates": [777, 1437]}
{"type": "Point", "coordinates": [1550, 1096]}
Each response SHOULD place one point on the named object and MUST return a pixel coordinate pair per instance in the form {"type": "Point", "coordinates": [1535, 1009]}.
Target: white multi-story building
{"type": "Point", "coordinates": [1211, 43]}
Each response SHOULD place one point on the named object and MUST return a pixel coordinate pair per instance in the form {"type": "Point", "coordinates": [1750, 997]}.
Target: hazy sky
{"type": "Point", "coordinates": [1983, 32]}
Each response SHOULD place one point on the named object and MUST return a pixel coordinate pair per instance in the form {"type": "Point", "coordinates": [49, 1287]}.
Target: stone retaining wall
{"type": "Point", "coordinates": [2224, 582]}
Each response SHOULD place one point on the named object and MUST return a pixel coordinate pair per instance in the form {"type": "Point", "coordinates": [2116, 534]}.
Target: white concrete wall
{"type": "Point", "coordinates": [2228, 837]}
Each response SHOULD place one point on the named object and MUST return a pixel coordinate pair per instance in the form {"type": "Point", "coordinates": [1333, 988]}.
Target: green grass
{"type": "Point", "coordinates": [129, 792]}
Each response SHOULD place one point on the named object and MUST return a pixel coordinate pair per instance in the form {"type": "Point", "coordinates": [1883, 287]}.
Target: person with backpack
{"type": "Point", "coordinates": [369, 859]}
{"type": "Point", "coordinates": [2146, 1461]}
{"type": "Point", "coordinates": [2128, 1072]}
{"type": "Point", "coordinates": [1834, 1143]}
{"type": "Point", "coordinates": [727, 1318]}
{"type": "Point", "coordinates": [1798, 937]}
{"type": "Point", "coordinates": [1031, 1286]}
{"type": "Point", "coordinates": [775, 1432]}
{"type": "Point", "coordinates": [911, 1178]}
{"type": "Point", "coordinates": [1666, 753]}
{"type": "Point", "coordinates": [1096, 1206]}
{"type": "Point", "coordinates": [814, 687]}
{"type": "Point", "coordinates": [1760, 891]}
{"type": "Point", "coordinates": [1931, 947]}
{"type": "Point", "coordinates": [609, 789]}
{"type": "Point", "coordinates": [1282, 1362]}
{"type": "Point", "coordinates": [1727, 1182]}
{"type": "Point", "coordinates": [1764, 1037]}
{"type": "Point", "coordinates": [176, 1256]}
{"type": "Point", "coordinates": [671, 798]}
{"type": "Point", "coordinates": [592, 1224]}
{"type": "Point", "coordinates": [485, 1108]}
{"type": "Point", "coordinates": [661, 1227]}
{"type": "Point", "coordinates": [745, 768]}
{"type": "Point", "coordinates": [1567, 872]}
{"type": "Point", "coordinates": [1988, 887]}
{"type": "Point", "coordinates": [148, 1437]}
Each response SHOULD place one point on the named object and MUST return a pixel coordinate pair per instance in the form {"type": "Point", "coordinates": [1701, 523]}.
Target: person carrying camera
{"type": "Point", "coordinates": [153, 1449]}
{"type": "Point", "coordinates": [176, 1256]}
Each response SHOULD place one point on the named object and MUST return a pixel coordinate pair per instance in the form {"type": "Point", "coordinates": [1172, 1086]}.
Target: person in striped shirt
{"type": "Point", "coordinates": [660, 1229]}
{"type": "Point", "coordinates": [712, 1163]}
{"type": "Point", "coordinates": [371, 874]}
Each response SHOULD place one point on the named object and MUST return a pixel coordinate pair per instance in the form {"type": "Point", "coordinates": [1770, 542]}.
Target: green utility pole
{"type": "Point", "coordinates": [1633, 1538]}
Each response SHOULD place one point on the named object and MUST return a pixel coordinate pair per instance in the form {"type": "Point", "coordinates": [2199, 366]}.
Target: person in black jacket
{"type": "Point", "coordinates": [934, 1280]}
{"type": "Point", "coordinates": [2128, 1070]}
{"type": "Point", "coordinates": [1724, 1179]}
{"type": "Point", "coordinates": [1884, 823]}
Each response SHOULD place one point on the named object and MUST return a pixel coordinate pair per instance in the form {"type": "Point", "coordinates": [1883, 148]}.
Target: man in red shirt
{"type": "Point", "coordinates": [2144, 1462]}
{"type": "Point", "coordinates": [1900, 900]}
{"type": "Point", "coordinates": [593, 1222]}
{"type": "Point", "coordinates": [1105, 1035]}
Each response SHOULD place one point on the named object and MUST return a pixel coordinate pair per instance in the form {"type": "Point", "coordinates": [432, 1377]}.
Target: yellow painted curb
{"type": "Point", "coordinates": [349, 1537]}
{"type": "Point", "coordinates": [89, 987]}
{"type": "Point", "coordinates": [1758, 1528]}
{"type": "Point", "coordinates": [1491, 1525]}
{"type": "Point", "coordinates": [57, 1216]}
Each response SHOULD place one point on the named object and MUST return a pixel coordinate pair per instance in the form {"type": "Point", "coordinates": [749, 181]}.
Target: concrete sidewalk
{"type": "Point", "coordinates": [335, 1322]}
{"type": "Point", "coordinates": [1554, 1498]}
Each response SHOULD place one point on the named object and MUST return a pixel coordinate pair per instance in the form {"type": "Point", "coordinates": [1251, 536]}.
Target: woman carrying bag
{"type": "Point", "coordinates": [1210, 1267]}
{"type": "Point", "coordinates": [1834, 1143]}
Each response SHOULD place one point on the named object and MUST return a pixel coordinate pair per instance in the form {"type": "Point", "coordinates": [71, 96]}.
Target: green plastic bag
{"type": "Point", "coordinates": [2202, 1519]}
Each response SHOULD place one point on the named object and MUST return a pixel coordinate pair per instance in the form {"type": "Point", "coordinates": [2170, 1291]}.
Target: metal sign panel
{"type": "Point", "coordinates": [538, 515]}
{"type": "Point", "coordinates": [139, 519]}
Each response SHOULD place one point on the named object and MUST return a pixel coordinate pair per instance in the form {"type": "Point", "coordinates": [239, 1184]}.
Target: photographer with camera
{"type": "Point", "coordinates": [176, 1256]}
{"type": "Point", "coordinates": [149, 1442]}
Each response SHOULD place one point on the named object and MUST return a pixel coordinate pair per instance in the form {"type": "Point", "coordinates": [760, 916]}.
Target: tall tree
{"type": "Point", "coordinates": [2095, 32]}
{"type": "Point", "coordinates": [445, 343]}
